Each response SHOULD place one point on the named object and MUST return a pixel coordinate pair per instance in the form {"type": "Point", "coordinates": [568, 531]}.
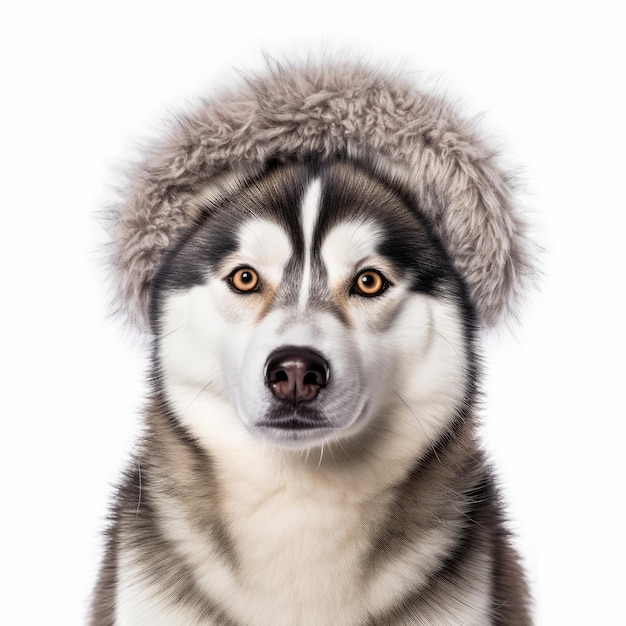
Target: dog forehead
{"type": "Point", "coordinates": [338, 210]}
{"type": "Point", "coordinates": [349, 243]}
{"type": "Point", "coordinates": [265, 242]}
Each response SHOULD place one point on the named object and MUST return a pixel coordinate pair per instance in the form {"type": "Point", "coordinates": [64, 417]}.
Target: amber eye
{"type": "Point", "coordinates": [244, 279]}
{"type": "Point", "coordinates": [369, 283]}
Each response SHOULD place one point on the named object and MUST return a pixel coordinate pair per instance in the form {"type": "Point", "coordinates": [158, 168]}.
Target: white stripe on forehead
{"type": "Point", "coordinates": [348, 244]}
{"type": "Point", "coordinates": [308, 218]}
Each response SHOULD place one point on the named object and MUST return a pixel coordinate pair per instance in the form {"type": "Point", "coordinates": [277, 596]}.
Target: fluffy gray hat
{"type": "Point", "coordinates": [325, 109]}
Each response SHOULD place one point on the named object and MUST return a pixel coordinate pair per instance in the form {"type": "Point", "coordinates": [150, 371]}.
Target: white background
{"type": "Point", "coordinates": [79, 84]}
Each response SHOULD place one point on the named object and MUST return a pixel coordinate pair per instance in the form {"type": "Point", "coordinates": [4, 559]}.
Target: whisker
{"type": "Point", "coordinates": [321, 456]}
{"type": "Point", "coordinates": [197, 396]}
{"type": "Point", "coordinates": [450, 344]}
{"type": "Point", "coordinates": [420, 424]}
{"type": "Point", "coordinates": [171, 332]}
{"type": "Point", "coordinates": [330, 451]}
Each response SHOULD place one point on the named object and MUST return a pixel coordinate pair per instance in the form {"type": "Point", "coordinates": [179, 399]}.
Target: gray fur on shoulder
{"type": "Point", "coordinates": [323, 109]}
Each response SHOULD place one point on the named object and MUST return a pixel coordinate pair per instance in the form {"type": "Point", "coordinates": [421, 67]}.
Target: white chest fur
{"type": "Point", "coordinates": [300, 547]}
{"type": "Point", "coordinates": [301, 551]}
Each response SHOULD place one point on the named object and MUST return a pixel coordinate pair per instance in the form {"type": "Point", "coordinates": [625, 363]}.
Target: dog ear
{"type": "Point", "coordinates": [321, 110]}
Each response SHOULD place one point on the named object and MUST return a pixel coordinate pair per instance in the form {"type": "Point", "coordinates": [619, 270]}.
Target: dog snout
{"type": "Point", "coordinates": [296, 374]}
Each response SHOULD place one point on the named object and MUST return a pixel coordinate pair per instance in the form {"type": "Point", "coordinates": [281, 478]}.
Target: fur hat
{"type": "Point", "coordinates": [326, 109]}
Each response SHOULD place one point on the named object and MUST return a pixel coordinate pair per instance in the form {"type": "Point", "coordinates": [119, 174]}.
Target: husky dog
{"type": "Point", "coordinates": [313, 256]}
{"type": "Point", "coordinates": [310, 454]}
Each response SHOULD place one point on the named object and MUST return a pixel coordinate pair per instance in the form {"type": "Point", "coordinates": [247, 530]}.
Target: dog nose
{"type": "Point", "coordinates": [296, 373]}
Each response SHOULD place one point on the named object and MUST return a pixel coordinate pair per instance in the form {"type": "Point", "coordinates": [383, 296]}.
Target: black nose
{"type": "Point", "coordinates": [296, 374]}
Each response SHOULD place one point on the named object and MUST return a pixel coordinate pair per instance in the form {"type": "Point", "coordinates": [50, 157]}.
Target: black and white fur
{"type": "Point", "coordinates": [369, 503]}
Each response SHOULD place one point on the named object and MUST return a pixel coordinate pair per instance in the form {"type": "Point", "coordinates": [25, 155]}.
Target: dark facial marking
{"type": "Point", "coordinates": [350, 192]}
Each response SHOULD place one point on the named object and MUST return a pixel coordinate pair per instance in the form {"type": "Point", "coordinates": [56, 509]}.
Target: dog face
{"type": "Point", "coordinates": [312, 305]}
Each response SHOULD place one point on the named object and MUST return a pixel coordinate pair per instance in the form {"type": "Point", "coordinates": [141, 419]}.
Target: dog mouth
{"type": "Point", "coordinates": [294, 423]}
{"type": "Point", "coordinates": [303, 426]}
{"type": "Point", "coordinates": [289, 425]}
{"type": "Point", "coordinates": [288, 418]}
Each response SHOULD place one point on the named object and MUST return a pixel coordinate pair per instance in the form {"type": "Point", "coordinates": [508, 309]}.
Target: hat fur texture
{"type": "Point", "coordinates": [320, 110]}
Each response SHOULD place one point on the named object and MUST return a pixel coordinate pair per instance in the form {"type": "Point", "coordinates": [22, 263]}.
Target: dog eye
{"type": "Point", "coordinates": [369, 283]}
{"type": "Point", "coordinates": [244, 279]}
